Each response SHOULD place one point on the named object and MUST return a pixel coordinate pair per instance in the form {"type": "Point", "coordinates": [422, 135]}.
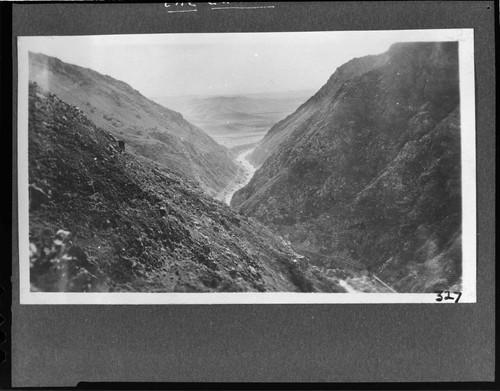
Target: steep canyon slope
{"type": "Point", "coordinates": [149, 130]}
{"type": "Point", "coordinates": [104, 219]}
{"type": "Point", "coordinates": [368, 169]}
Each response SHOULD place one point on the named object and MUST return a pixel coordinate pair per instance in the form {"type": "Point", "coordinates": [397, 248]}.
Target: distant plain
{"type": "Point", "coordinates": [238, 120]}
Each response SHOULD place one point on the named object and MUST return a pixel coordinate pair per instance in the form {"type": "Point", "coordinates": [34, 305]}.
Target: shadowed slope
{"type": "Point", "coordinates": [369, 168]}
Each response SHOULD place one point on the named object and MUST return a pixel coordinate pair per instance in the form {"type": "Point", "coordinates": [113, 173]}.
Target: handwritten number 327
{"type": "Point", "coordinates": [448, 296]}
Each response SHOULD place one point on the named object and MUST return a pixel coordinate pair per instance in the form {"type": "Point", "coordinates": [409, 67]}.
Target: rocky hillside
{"type": "Point", "coordinates": [149, 130]}
{"type": "Point", "coordinates": [368, 170]}
{"type": "Point", "coordinates": [103, 219]}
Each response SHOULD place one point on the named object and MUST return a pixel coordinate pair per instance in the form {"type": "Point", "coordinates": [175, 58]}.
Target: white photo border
{"type": "Point", "coordinates": [465, 37]}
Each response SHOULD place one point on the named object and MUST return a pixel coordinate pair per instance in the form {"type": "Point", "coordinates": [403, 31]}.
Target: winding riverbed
{"type": "Point", "coordinates": [243, 176]}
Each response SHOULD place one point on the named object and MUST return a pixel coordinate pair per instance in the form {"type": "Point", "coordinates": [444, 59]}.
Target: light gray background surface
{"type": "Point", "coordinates": [63, 345]}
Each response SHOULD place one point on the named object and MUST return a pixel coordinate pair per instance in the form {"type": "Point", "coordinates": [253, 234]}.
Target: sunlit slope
{"type": "Point", "coordinates": [149, 129]}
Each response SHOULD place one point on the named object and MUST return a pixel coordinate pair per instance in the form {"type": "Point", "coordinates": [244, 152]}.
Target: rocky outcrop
{"type": "Point", "coordinates": [368, 169]}
{"type": "Point", "coordinates": [113, 221]}
{"type": "Point", "coordinates": [150, 130]}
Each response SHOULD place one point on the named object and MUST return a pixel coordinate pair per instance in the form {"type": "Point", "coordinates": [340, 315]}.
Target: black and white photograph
{"type": "Point", "coordinates": [280, 167]}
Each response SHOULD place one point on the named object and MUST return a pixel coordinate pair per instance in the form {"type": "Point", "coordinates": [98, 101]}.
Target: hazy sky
{"type": "Point", "coordinates": [224, 63]}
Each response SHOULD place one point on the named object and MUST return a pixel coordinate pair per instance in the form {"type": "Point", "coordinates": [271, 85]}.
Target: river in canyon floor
{"type": "Point", "coordinates": [243, 176]}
